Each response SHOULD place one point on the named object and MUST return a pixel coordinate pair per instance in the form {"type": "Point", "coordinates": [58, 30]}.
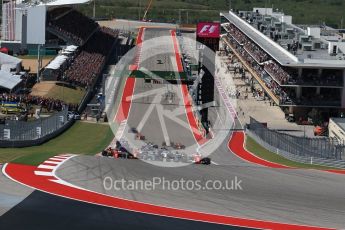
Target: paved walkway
{"type": "Point", "coordinates": [249, 106]}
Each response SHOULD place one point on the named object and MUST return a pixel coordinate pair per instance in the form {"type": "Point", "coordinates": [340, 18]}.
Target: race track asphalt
{"type": "Point", "coordinates": [157, 52]}
{"type": "Point", "coordinates": [306, 197]}
{"type": "Point", "coordinates": [155, 118]}
{"type": "Point", "coordinates": [42, 211]}
{"type": "Point", "coordinates": [152, 112]}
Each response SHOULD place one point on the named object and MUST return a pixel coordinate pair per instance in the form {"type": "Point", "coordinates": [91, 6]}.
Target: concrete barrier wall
{"type": "Point", "coordinates": [297, 158]}
{"type": "Point", "coordinates": [38, 141]}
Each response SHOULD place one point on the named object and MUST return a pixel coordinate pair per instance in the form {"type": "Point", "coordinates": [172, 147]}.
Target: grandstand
{"type": "Point", "coordinates": [65, 23]}
{"type": "Point", "coordinates": [91, 59]}
{"type": "Point", "coordinates": [82, 47]}
{"type": "Point", "coordinates": [300, 68]}
{"type": "Point", "coordinates": [49, 24]}
{"type": "Point", "coordinates": [59, 26]}
{"type": "Point", "coordinates": [81, 65]}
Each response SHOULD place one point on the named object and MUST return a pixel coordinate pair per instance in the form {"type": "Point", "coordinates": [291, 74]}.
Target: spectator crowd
{"type": "Point", "coordinates": [72, 24]}
{"type": "Point", "coordinates": [256, 52]}
{"type": "Point", "coordinates": [273, 75]}
{"type": "Point", "coordinates": [82, 67]}
{"type": "Point", "coordinates": [284, 76]}
{"type": "Point", "coordinates": [89, 63]}
{"type": "Point", "coordinates": [279, 74]}
{"type": "Point", "coordinates": [50, 104]}
{"type": "Point", "coordinates": [278, 91]}
{"type": "Point", "coordinates": [249, 46]}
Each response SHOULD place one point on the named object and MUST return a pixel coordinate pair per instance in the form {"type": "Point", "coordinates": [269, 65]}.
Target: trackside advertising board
{"type": "Point", "coordinates": [208, 29]}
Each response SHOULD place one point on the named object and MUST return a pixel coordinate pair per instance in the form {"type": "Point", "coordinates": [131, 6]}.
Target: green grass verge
{"type": "Point", "coordinates": [303, 11]}
{"type": "Point", "coordinates": [35, 56]}
{"type": "Point", "coordinates": [258, 150]}
{"type": "Point", "coordinates": [81, 138]}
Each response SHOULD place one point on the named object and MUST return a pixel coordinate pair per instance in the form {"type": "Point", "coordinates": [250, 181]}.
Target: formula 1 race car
{"type": "Point", "coordinates": [123, 153]}
{"type": "Point", "coordinates": [139, 136]}
{"type": "Point", "coordinates": [204, 161]}
{"type": "Point", "coordinates": [178, 146]}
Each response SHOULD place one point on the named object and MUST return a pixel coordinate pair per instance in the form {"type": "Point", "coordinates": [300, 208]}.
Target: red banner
{"type": "Point", "coordinates": [208, 29]}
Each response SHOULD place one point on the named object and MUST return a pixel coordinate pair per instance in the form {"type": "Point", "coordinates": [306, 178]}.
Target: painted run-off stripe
{"type": "Point", "coordinates": [185, 94]}
{"type": "Point", "coordinates": [177, 52]}
{"type": "Point", "coordinates": [190, 116]}
{"type": "Point", "coordinates": [139, 41]}
{"type": "Point", "coordinates": [236, 145]}
{"type": "Point", "coordinates": [140, 36]}
{"type": "Point", "coordinates": [126, 100]}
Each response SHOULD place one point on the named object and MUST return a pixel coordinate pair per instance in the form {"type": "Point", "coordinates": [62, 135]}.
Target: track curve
{"type": "Point", "coordinates": [273, 196]}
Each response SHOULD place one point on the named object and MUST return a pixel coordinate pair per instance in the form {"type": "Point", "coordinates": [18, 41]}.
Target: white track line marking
{"type": "Point", "coordinates": [42, 173]}
{"type": "Point", "coordinates": [148, 113]}
{"type": "Point", "coordinates": [120, 130]}
{"type": "Point", "coordinates": [55, 159]}
{"type": "Point", "coordinates": [181, 122]}
{"type": "Point", "coordinates": [61, 181]}
{"type": "Point", "coordinates": [52, 162]}
{"type": "Point", "coordinates": [52, 168]}
{"type": "Point", "coordinates": [161, 121]}
{"type": "Point", "coordinates": [43, 166]}
{"type": "Point", "coordinates": [61, 157]}
{"type": "Point", "coordinates": [67, 155]}
{"type": "Point", "coordinates": [144, 94]}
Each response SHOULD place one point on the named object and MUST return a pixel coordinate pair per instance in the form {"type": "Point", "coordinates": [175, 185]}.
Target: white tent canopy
{"type": "Point", "coordinates": [57, 62]}
{"type": "Point", "coordinates": [8, 62]}
{"type": "Point", "coordinates": [66, 52]}
{"type": "Point", "coordinates": [71, 48]}
{"type": "Point", "coordinates": [5, 58]}
{"type": "Point", "coordinates": [65, 2]}
{"type": "Point", "coordinates": [7, 67]}
{"type": "Point", "coordinates": [9, 81]}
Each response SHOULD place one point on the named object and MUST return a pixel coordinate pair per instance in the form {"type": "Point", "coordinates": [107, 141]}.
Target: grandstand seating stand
{"type": "Point", "coordinates": [71, 25]}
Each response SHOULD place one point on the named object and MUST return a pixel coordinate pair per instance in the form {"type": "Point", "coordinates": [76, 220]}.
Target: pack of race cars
{"type": "Point", "coordinates": [152, 152]}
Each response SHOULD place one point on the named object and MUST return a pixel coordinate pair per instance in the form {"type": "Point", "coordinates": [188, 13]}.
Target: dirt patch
{"type": "Point", "coordinates": [32, 64]}
{"type": "Point", "coordinates": [42, 88]}
{"type": "Point", "coordinates": [58, 90]}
